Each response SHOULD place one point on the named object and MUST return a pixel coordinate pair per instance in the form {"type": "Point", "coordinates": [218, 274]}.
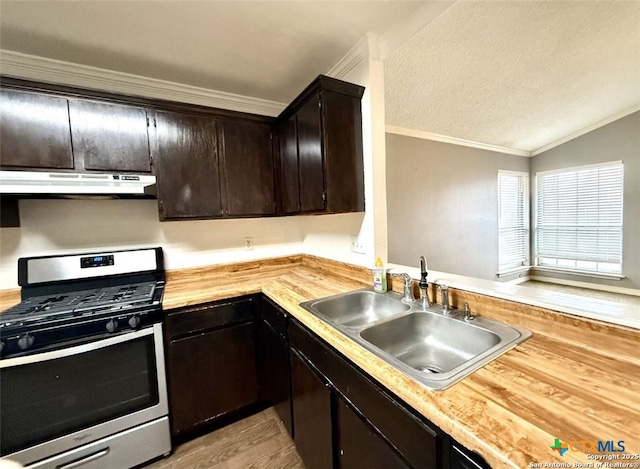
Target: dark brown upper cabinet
{"type": "Point", "coordinates": [310, 158]}
{"type": "Point", "coordinates": [34, 131]}
{"type": "Point", "coordinates": [109, 137]}
{"type": "Point", "coordinates": [209, 167]}
{"type": "Point", "coordinates": [247, 168]}
{"type": "Point", "coordinates": [187, 166]}
{"type": "Point", "coordinates": [320, 166]}
{"type": "Point", "coordinates": [289, 179]}
{"type": "Point", "coordinates": [209, 163]}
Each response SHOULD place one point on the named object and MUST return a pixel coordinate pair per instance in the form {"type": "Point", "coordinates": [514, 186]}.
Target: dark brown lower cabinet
{"type": "Point", "coordinates": [312, 415]}
{"type": "Point", "coordinates": [274, 378]}
{"type": "Point", "coordinates": [223, 357]}
{"type": "Point", "coordinates": [388, 429]}
{"type": "Point", "coordinates": [359, 445]}
{"type": "Point", "coordinates": [211, 363]}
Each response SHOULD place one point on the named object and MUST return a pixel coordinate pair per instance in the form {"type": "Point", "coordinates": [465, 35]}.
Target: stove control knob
{"type": "Point", "coordinates": [134, 321]}
{"type": "Point", "coordinates": [25, 341]}
{"type": "Point", "coordinates": [112, 325]}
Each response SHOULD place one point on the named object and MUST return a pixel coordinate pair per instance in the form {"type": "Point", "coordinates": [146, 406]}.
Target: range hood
{"type": "Point", "coordinates": [31, 183]}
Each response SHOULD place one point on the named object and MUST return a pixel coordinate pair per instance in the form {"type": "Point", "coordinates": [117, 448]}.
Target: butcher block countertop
{"type": "Point", "coordinates": [575, 379]}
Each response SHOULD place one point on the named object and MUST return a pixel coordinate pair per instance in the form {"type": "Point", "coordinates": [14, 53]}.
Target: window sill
{"type": "Point", "coordinates": [514, 270]}
{"type": "Point", "coordinates": [579, 273]}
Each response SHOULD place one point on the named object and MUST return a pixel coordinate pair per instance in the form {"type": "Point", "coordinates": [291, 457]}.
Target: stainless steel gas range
{"type": "Point", "coordinates": [82, 377]}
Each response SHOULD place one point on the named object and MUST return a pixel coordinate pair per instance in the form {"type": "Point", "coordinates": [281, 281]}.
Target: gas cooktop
{"type": "Point", "coordinates": [76, 297]}
{"type": "Point", "coordinates": [78, 303]}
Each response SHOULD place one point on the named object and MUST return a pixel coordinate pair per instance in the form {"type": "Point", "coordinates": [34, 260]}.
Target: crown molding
{"type": "Point", "coordinates": [357, 54]}
{"type": "Point", "coordinates": [392, 129]}
{"type": "Point", "coordinates": [16, 64]}
{"type": "Point", "coordinates": [586, 130]}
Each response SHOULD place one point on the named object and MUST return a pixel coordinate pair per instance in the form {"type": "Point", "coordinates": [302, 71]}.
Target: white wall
{"type": "Point", "coordinates": [443, 204]}
{"type": "Point", "coordinates": [61, 226]}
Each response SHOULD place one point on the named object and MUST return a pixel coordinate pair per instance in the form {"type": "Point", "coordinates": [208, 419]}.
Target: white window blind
{"type": "Point", "coordinates": [513, 220]}
{"type": "Point", "coordinates": [579, 218]}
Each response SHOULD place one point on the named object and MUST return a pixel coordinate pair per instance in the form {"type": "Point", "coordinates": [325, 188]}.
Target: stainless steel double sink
{"type": "Point", "coordinates": [434, 349]}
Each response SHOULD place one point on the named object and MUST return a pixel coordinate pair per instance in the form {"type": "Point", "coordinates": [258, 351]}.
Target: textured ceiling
{"type": "Point", "coordinates": [516, 74]}
{"type": "Point", "coordinates": [264, 49]}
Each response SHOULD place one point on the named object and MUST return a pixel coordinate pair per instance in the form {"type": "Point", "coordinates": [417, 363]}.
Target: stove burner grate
{"type": "Point", "coordinates": [80, 302]}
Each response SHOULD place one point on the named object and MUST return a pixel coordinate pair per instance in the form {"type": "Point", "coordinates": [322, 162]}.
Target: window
{"type": "Point", "coordinates": [579, 218]}
{"type": "Point", "coordinates": [513, 220]}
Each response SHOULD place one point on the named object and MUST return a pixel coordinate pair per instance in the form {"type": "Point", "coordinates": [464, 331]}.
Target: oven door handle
{"type": "Point", "coordinates": [87, 459]}
{"type": "Point", "coordinates": [88, 347]}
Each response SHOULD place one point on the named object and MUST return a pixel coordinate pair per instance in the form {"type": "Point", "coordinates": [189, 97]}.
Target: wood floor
{"type": "Point", "coordinates": [260, 441]}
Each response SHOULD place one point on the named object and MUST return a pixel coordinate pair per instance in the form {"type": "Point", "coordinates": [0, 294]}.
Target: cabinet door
{"type": "Point", "coordinates": [417, 443]}
{"type": "Point", "coordinates": [109, 137]}
{"type": "Point", "coordinates": [34, 131]}
{"type": "Point", "coordinates": [311, 415]}
{"type": "Point", "coordinates": [310, 158]}
{"type": "Point", "coordinates": [342, 124]}
{"type": "Point", "coordinates": [273, 373]}
{"type": "Point", "coordinates": [210, 375]}
{"type": "Point", "coordinates": [187, 174]}
{"type": "Point", "coordinates": [289, 178]}
{"type": "Point", "coordinates": [360, 446]}
{"type": "Point", "coordinates": [247, 162]}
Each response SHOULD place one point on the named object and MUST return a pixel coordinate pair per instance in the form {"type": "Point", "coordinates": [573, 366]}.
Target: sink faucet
{"type": "Point", "coordinates": [407, 296]}
{"type": "Point", "coordinates": [423, 284]}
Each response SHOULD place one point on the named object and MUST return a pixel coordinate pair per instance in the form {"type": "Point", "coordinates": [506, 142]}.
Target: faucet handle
{"type": "Point", "coordinates": [405, 277]}
{"type": "Point", "coordinates": [467, 313]}
{"type": "Point", "coordinates": [407, 295]}
{"type": "Point", "coordinates": [444, 294]}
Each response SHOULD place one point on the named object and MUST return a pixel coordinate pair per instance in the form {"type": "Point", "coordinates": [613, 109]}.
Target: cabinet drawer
{"type": "Point", "coordinates": [201, 318]}
{"type": "Point", "coordinates": [275, 316]}
{"type": "Point", "coordinates": [413, 438]}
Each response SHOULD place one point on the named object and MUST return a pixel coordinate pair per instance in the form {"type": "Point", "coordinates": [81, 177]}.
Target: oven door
{"type": "Point", "coordinates": [54, 401]}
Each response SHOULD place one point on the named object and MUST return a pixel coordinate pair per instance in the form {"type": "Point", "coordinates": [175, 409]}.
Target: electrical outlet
{"type": "Point", "coordinates": [357, 245]}
{"type": "Point", "coordinates": [248, 244]}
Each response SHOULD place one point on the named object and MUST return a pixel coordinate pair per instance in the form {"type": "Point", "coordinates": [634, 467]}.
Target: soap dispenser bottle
{"type": "Point", "coordinates": [379, 277]}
